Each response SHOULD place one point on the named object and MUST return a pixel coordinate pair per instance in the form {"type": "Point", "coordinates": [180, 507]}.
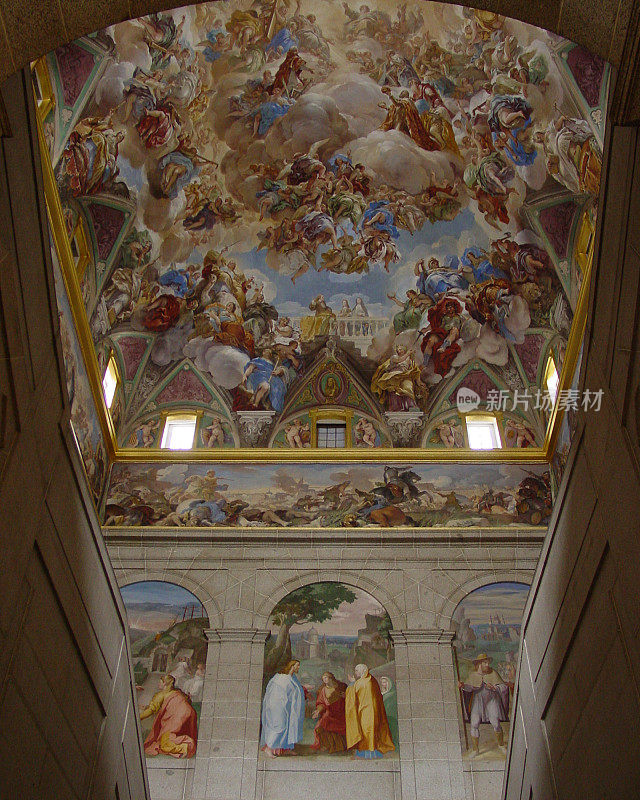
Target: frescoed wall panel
{"type": "Point", "coordinates": [169, 652]}
{"type": "Point", "coordinates": [487, 623]}
{"type": "Point", "coordinates": [328, 495]}
{"type": "Point", "coordinates": [329, 677]}
{"type": "Point", "coordinates": [84, 417]}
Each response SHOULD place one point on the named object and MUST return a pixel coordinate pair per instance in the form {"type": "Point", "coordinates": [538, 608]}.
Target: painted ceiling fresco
{"type": "Point", "coordinates": [328, 495]}
{"type": "Point", "coordinates": [84, 418]}
{"type": "Point", "coordinates": [396, 187]}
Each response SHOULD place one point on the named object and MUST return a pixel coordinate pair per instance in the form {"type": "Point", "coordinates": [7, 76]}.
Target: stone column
{"type": "Point", "coordinates": [430, 752]}
{"type": "Point", "coordinates": [227, 754]}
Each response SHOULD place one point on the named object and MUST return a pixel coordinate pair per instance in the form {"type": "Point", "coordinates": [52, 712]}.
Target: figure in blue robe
{"type": "Point", "coordinates": [379, 216]}
{"type": "Point", "coordinates": [476, 259]}
{"type": "Point", "coordinates": [435, 282]}
{"type": "Point", "coordinates": [269, 112]}
{"type": "Point", "coordinates": [189, 171]}
{"type": "Point", "coordinates": [336, 161]}
{"type": "Point", "coordinates": [175, 279]}
{"type": "Point", "coordinates": [260, 371]}
{"type": "Point", "coordinates": [283, 41]}
{"type": "Point", "coordinates": [283, 708]}
{"type": "Point", "coordinates": [516, 151]}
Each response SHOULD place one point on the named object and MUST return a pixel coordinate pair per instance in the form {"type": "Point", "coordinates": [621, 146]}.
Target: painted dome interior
{"type": "Point", "coordinates": [283, 213]}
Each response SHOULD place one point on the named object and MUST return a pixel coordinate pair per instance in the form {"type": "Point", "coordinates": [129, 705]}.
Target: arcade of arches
{"type": "Point", "coordinates": [302, 227]}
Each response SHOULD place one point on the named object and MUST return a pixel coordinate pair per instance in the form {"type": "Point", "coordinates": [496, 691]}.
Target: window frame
{"type": "Point", "coordinates": [177, 417]}
{"type": "Point", "coordinates": [489, 420]}
{"type": "Point", "coordinates": [112, 370]}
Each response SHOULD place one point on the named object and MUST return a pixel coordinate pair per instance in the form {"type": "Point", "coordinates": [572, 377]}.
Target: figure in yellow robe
{"type": "Point", "coordinates": [367, 726]}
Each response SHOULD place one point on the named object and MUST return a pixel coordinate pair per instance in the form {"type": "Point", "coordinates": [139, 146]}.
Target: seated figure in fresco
{"type": "Point", "coordinates": [574, 157]}
{"type": "Point", "coordinates": [434, 280]}
{"type": "Point", "coordinates": [320, 323]}
{"type": "Point", "coordinates": [485, 697]}
{"type": "Point", "coordinates": [267, 378]}
{"type": "Point", "coordinates": [89, 161]}
{"type": "Point", "coordinates": [175, 727]}
{"type": "Point", "coordinates": [331, 729]}
{"type": "Point", "coordinates": [366, 719]}
{"type": "Point", "coordinates": [397, 381]}
{"type": "Point", "coordinates": [283, 708]}
{"type": "Point", "coordinates": [365, 433]}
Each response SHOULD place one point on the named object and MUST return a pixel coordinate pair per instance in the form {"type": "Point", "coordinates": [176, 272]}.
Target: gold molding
{"type": "Point", "coordinates": [516, 533]}
{"type": "Point", "coordinates": [70, 275]}
{"type": "Point", "coordinates": [79, 235]}
{"type": "Point", "coordinates": [47, 101]}
{"type": "Point", "coordinates": [262, 455]}
{"type": "Point", "coordinates": [574, 345]}
{"type": "Point", "coordinates": [529, 455]}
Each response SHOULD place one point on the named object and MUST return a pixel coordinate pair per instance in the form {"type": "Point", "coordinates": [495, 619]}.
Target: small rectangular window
{"type": "Point", "coordinates": [331, 434]}
{"type": "Point", "coordinates": [179, 432]}
{"type": "Point", "coordinates": [110, 381]}
{"type": "Point", "coordinates": [483, 433]}
{"type": "Point", "coordinates": [38, 88]}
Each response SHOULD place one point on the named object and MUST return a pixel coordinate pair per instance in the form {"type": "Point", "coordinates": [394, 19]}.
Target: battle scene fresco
{"type": "Point", "coordinates": [169, 655]}
{"type": "Point", "coordinates": [329, 683]}
{"type": "Point", "coordinates": [488, 624]}
{"type": "Point", "coordinates": [257, 179]}
{"type": "Point", "coordinates": [328, 495]}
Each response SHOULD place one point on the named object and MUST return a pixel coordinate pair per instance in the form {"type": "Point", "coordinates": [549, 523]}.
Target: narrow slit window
{"type": "Point", "coordinates": [179, 432]}
{"type": "Point", "coordinates": [38, 88]}
{"type": "Point", "coordinates": [75, 252]}
{"type": "Point", "coordinates": [331, 434]}
{"type": "Point", "coordinates": [552, 379]}
{"type": "Point", "coordinates": [110, 382]}
{"type": "Point", "coordinates": [483, 433]}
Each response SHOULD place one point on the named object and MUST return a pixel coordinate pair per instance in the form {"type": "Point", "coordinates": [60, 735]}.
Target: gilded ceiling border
{"type": "Point", "coordinates": [529, 455]}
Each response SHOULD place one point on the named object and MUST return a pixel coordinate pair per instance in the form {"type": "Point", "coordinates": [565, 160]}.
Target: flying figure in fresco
{"type": "Point", "coordinates": [241, 171]}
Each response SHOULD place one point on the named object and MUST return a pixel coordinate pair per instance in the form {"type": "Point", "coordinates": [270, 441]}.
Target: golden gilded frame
{"type": "Point", "coordinates": [47, 99]}
{"type": "Point", "coordinates": [528, 455]}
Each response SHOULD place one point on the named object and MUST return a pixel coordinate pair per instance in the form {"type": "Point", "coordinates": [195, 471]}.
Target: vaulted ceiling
{"type": "Point", "coordinates": [290, 206]}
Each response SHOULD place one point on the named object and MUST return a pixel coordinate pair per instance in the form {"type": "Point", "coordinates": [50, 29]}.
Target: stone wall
{"type": "Point", "coordinates": [66, 699]}
{"type": "Point", "coordinates": [578, 701]}
{"type": "Point", "coordinates": [419, 577]}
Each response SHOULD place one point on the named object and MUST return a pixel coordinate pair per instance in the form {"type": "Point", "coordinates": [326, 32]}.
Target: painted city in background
{"type": "Point", "coordinates": [328, 657]}
{"type": "Point", "coordinates": [169, 654]}
{"type": "Point", "coordinates": [488, 624]}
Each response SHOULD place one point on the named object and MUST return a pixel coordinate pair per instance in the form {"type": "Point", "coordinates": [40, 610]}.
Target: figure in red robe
{"type": "Point", "coordinates": [162, 313]}
{"type": "Point", "coordinates": [441, 344]}
{"type": "Point", "coordinates": [175, 727]}
{"type": "Point", "coordinates": [331, 729]}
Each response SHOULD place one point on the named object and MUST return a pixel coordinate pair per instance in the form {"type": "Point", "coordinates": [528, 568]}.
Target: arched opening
{"type": "Point", "coordinates": [487, 624]}
{"type": "Point", "coordinates": [329, 657]}
{"type": "Point", "coordinates": [169, 654]}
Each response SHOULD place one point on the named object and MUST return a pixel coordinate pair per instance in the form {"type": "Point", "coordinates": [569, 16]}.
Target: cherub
{"type": "Point", "coordinates": [365, 433]}
{"type": "Point", "coordinates": [213, 434]}
{"type": "Point", "coordinates": [297, 434]}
